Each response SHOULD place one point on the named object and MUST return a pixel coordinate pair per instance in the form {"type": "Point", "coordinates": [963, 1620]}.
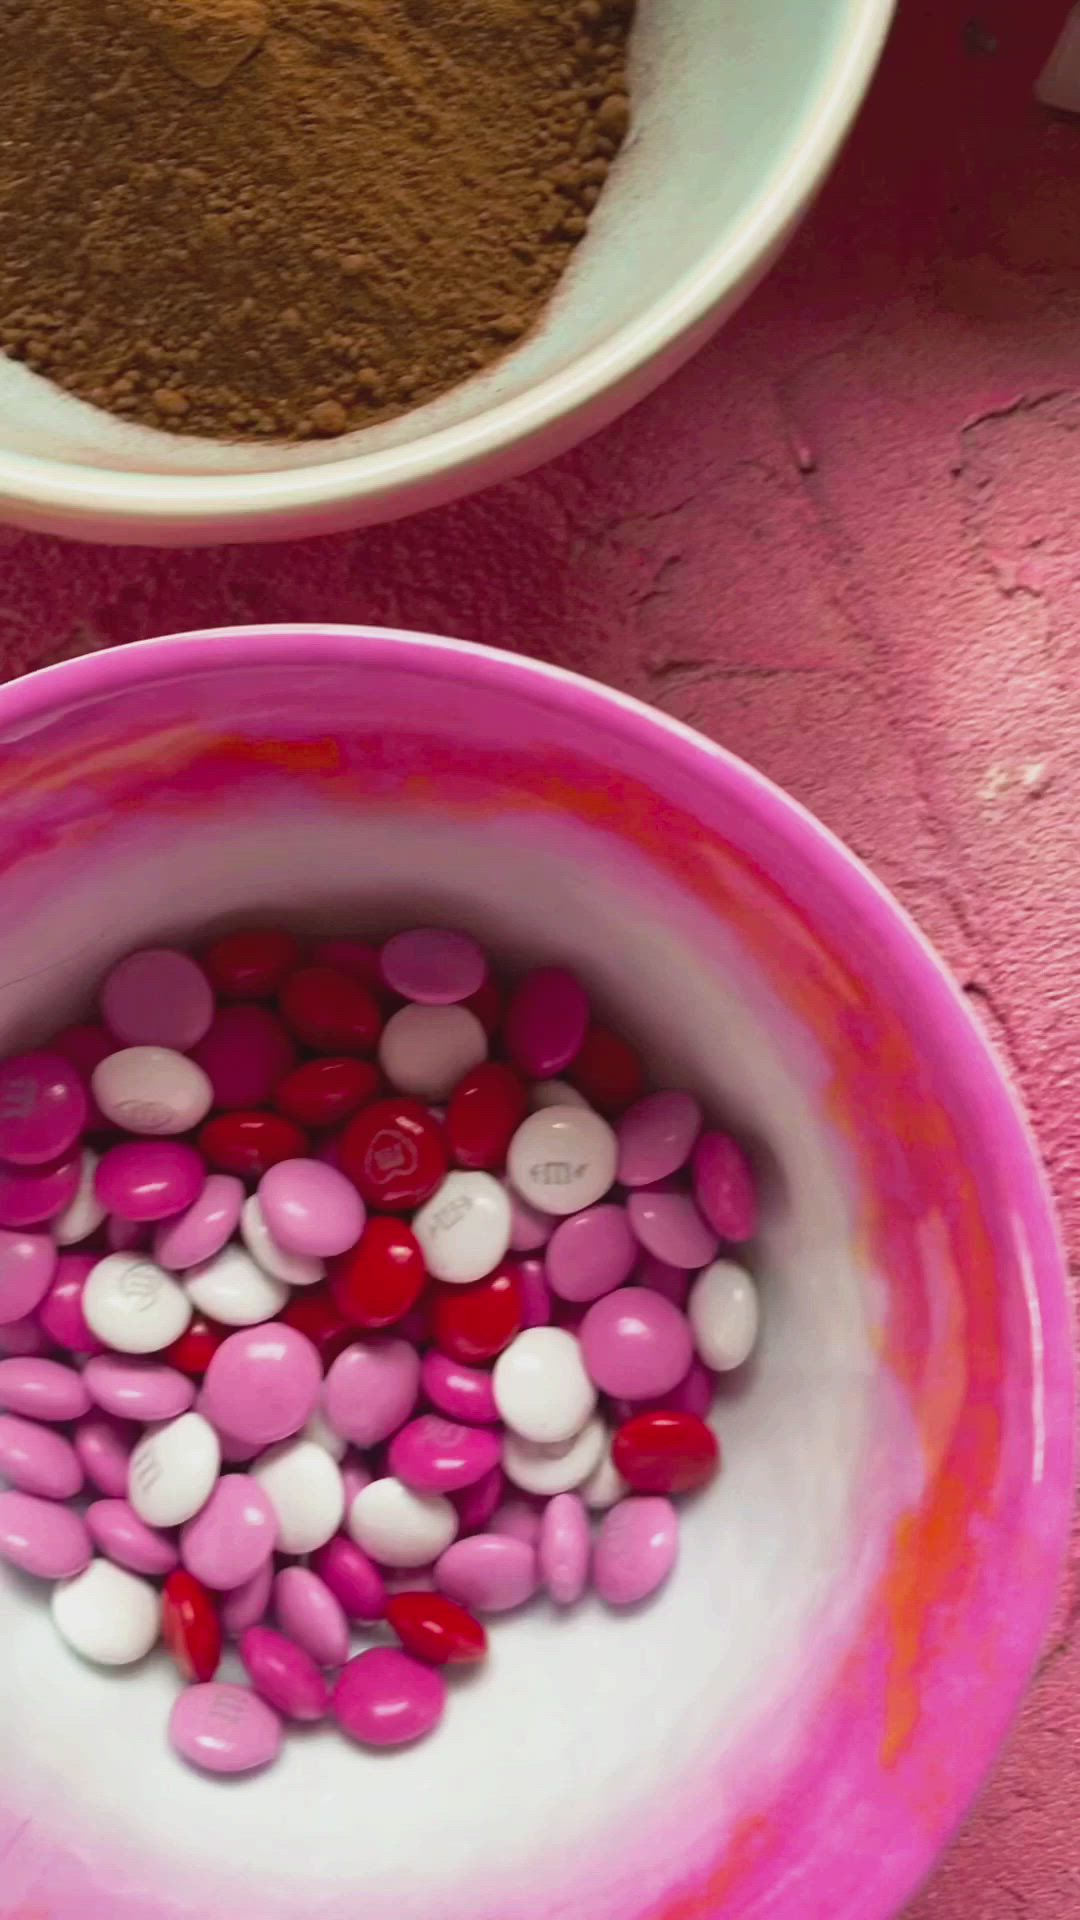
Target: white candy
{"type": "Point", "coordinates": [401, 1528]}
{"type": "Point", "coordinates": [541, 1469]}
{"type": "Point", "coordinates": [562, 1159]}
{"type": "Point", "coordinates": [233, 1289]}
{"type": "Point", "coordinates": [464, 1229]}
{"type": "Point", "coordinates": [541, 1387]}
{"type": "Point", "coordinates": [425, 1051]}
{"type": "Point", "coordinates": [133, 1305]}
{"type": "Point", "coordinates": [554, 1093]}
{"type": "Point", "coordinates": [295, 1269]}
{"type": "Point", "coordinates": [724, 1314]}
{"type": "Point", "coordinates": [173, 1471]}
{"type": "Point", "coordinates": [304, 1486]}
{"type": "Point", "coordinates": [605, 1483]}
{"type": "Point", "coordinates": [324, 1435]}
{"type": "Point", "coordinates": [83, 1215]}
{"type": "Point", "coordinates": [107, 1614]}
{"type": "Point", "coordinates": [152, 1090]}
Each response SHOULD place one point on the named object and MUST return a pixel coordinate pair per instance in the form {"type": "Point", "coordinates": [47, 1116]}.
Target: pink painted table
{"type": "Point", "coordinates": [845, 542]}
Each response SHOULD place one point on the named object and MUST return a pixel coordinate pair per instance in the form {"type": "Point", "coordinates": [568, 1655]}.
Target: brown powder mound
{"type": "Point", "coordinates": [253, 218]}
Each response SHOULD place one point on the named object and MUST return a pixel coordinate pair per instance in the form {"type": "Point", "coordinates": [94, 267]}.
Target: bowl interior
{"type": "Point", "coordinates": [881, 1547]}
{"type": "Point", "coordinates": [724, 92]}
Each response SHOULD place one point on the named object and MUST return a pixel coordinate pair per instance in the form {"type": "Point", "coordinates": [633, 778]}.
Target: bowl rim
{"type": "Point", "coordinates": [450, 457]}
{"type": "Point", "coordinates": [982, 1078]}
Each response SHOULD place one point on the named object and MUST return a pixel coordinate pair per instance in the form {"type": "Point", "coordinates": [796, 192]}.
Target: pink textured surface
{"type": "Point", "coordinates": [843, 542]}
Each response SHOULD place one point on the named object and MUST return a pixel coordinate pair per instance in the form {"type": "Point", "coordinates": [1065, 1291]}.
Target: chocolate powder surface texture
{"type": "Point", "coordinates": [252, 219]}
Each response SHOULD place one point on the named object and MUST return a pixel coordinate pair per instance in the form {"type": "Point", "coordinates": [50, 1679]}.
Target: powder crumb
{"type": "Point", "coordinates": [329, 417]}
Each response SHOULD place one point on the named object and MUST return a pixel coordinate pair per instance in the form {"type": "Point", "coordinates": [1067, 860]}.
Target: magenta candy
{"type": "Point", "coordinates": [244, 1606]}
{"type": "Point", "coordinates": [461, 1392]}
{"type": "Point", "coordinates": [435, 1455]}
{"type": "Point", "coordinates": [353, 1579]}
{"type": "Point", "coordinates": [488, 1573]}
{"type": "Point", "coordinates": [224, 1729]}
{"type": "Point", "coordinates": [149, 1179]}
{"type": "Point", "coordinates": [670, 1227]}
{"type": "Point", "coordinates": [60, 1314]}
{"type": "Point", "coordinates": [136, 1389]}
{"type": "Point", "coordinates": [157, 997]}
{"type": "Point", "coordinates": [231, 1536]}
{"type": "Point", "coordinates": [37, 1460]}
{"type": "Point", "coordinates": [724, 1187]}
{"type": "Point", "coordinates": [284, 1674]}
{"type": "Point", "coordinates": [42, 1108]}
{"type": "Point", "coordinates": [84, 1047]}
{"type": "Point", "coordinates": [42, 1390]}
{"type": "Point", "coordinates": [30, 1195]}
{"type": "Point", "coordinates": [695, 1393]}
{"type": "Point", "coordinates": [263, 1383]}
{"type": "Point", "coordinates": [27, 1265]}
{"type": "Point", "coordinates": [591, 1253]}
{"type": "Point", "coordinates": [310, 1614]}
{"type": "Point", "coordinates": [384, 1698]}
{"type": "Point", "coordinates": [104, 1447]}
{"type": "Point", "coordinates": [204, 1227]}
{"type": "Point", "coordinates": [119, 1533]}
{"type": "Point", "coordinates": [244, 1055]}
{"type": "Point", "coordinates": [518, 1521]}
{"type": "Point", "coordinates": [128, 1236]}
{"type": "Point", "coordinates": [536, 1301]}
{"type": "Point", "coordinates": [433, 966]}
{"type": "Point", "coordinates": [635, 1344]}
{"type": "Point", "coordinates": [545, 1022]}
{"type": "Point", "coordinates": [42, 1537]}
{"type": "Point", "coordinates": [529, 1228]}
{"type": "Point", "coordinates": [371, 1389]}
{"type": "Point", "coordinates": [22, 1338]}
{"type": "Point", "coordinates": [564, 1548]}
{"type": "Point", "coordinates": [656, 1137]}
{"type": "Point", "coordinates": [659, 1277]}
{"type": "Point", "coordinates": [311, 1208]}
{"type": "Point", "coordinates": [636, 1549]}
{"type": "Point", "coordinates": [476, 1504]}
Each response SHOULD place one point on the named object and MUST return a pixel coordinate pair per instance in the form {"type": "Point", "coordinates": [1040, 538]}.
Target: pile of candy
{"type": "Point", "coordinates": [362, 1313]}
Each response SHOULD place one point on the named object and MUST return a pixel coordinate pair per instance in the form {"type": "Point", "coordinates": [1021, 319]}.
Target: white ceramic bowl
{"type": "Point", "coordinates": [740, 106]}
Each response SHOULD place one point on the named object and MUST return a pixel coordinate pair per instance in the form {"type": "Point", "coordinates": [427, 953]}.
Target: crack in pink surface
{"type": "Point", "coordinates": [844, 542]}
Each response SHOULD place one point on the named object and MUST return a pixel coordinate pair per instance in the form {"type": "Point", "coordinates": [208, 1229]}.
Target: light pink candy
{"type": "Point", "coordinates": [119, 1533]}
{"type": "Point", "coordinates": [60, 1313]}
{"type": "Point", "coordinates": [518, 1521]}
{"type": "Point", "coordinates": [656, 1137]}
{"type": "Point", "coordinates": [104, 1447]}
{"type": "Point", "coordinates": [669, 1226]}
{"type": "Point", "coordinates": [545, 1022]}
{"type": "Point", "coordinates": [204, 1228]}
{"type": "Point", "coordinates": [244, 1606]}
{"type": "Point", "coordinates": [42, 1537]}
{"type": "Point", "coordinates": [488, 1573]}
{"type": "Point", "coordinates": [353, 1579]}
{"type": "Point", "coordinates": [27, 1265]}
{"type": "Point", "coordinates": [564, 1548]}
{"type": "Point", "coordinates": [157, 997]}
{"type": "Point", "coordinates": [458, 1391]}
{"type": "Point", "coordinates": [529, 1228]}
{"type": "Point", "coordinates": [433, 966]}
{"type": "Point", "coordinates": [311, 1208]}
{"type": "Point", "coordinates": [435, 1455]}
{"type": "Point", "coordinates": [635, 1344]}
{"type": "Point", "coordinates": [263, 1383]}
{"type": "Point", "coordinates": [636, 1548]}
{"type": "Point", "coordinates": [310, 1614]}
{"type": "Point", "coordinates": [724, 1187]}
{"type": "Point", "coordinates": [591, 1253]}
{"type": "Point", "coordinates": [371, 1389]}
{"type": "Point", "coordinates": [232, 1535]}
{"type": "Point", "coordinates": [42, 1390]}
{"type": "Point", "coordinates": [38, 1460]}
{"type": "Point", "coordinates": [224, 1729]}
{"type": "Point", "coordinates": [284, 1674]}
{"type": "Point", "coordinates": [135, 1389]}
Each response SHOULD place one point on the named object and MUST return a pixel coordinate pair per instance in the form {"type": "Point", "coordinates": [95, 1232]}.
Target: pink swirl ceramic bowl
{"type": "Point", "coordinates": [794, 1730]}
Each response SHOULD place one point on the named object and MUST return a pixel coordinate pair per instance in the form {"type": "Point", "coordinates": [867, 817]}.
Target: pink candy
{"type": "Point", "coordinates": [60, 1314]}
{"type": "Point", "coordinates": [204, 1227]}
{"type": "Point", "coordinates": [565, 1548]}
{"type": "Point", "coordinates": [635, 1343]}
{"type": "Point", "coordinates": [489, 1573]}
{"type": "Point", "coordinates": [311, 1208]}
{"type": "Point", "coordinates": [636, 1549]}
{"type": "Point", "coordinates": [134, 1389]}
{"type": "Point", "coordinates": [263, 1384]}
{"type": "Point", "coordinates": [121, 1536]}
{"type": "Point", "coordinates": [591, 1253]}
{"type": "Point", "coordinates": [41, 1537]}
{"type": "Point", "coordinates": [224, 1729]}
{"type": "Point", "coordinates": [157, 998]}
{"type": "Point", "coordinates": [371, 1390]}
{"type": "Point", "coordinates": [42, 1390]}
{"type": "Point", "coordinates": [284, 1674]}
{"type": "Point", "coordinates": [353, 1579]}
{"type": "Point", "coordinates": [228, 1540]}
{"type": "Point", "coordinates": [461, 1392]}
{"type": "Point", "coordinates": [37, 1460]}
{"type": "Point", "coordinates": [433, 966]}
{"type": "Point", "coordinates": [309, 1613]}
{"type": "Point", "coordinates": [27, 1264]}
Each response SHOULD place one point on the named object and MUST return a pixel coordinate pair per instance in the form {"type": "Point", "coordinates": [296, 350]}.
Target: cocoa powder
{"type": "Point", "coordinates": [259, 218]}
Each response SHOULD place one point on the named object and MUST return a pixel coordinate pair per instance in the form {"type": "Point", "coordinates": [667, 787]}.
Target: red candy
{"type": "Point", "coordinates": [358, 958]}
{"type": "Point", "coordinates": [476, 1322]}
{"type": "Point", "coordinates": [251, 964]}
{"type": "Point", "coordinates": [250, 1143]}
{"type": "Point", "coordinates": [607, 1071]}
{"type": "Point", "coordinates": [665, 1452]}
{"type": "Point", "coordinates": [312, 1312]}
{"type": "Point", "coordinates": [436, 1629]}
{"type": "Point", "coordinates": [379, 1279]}
{"type": "Point", "coordinates": [323, 1093]}
{"type": "Point", "coordinates": [485, 1111]}
{"type": "Point", "coordinates": [395, 1153]}
{"type": "Point", "coordinates": [330, 1012]}
{"type": "Point", "coordinates": [190, 1626]}
{"type": "Point", "coordinates": [487, 1005]}
{"type": "Point", "coordinates": [196, 1347]}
